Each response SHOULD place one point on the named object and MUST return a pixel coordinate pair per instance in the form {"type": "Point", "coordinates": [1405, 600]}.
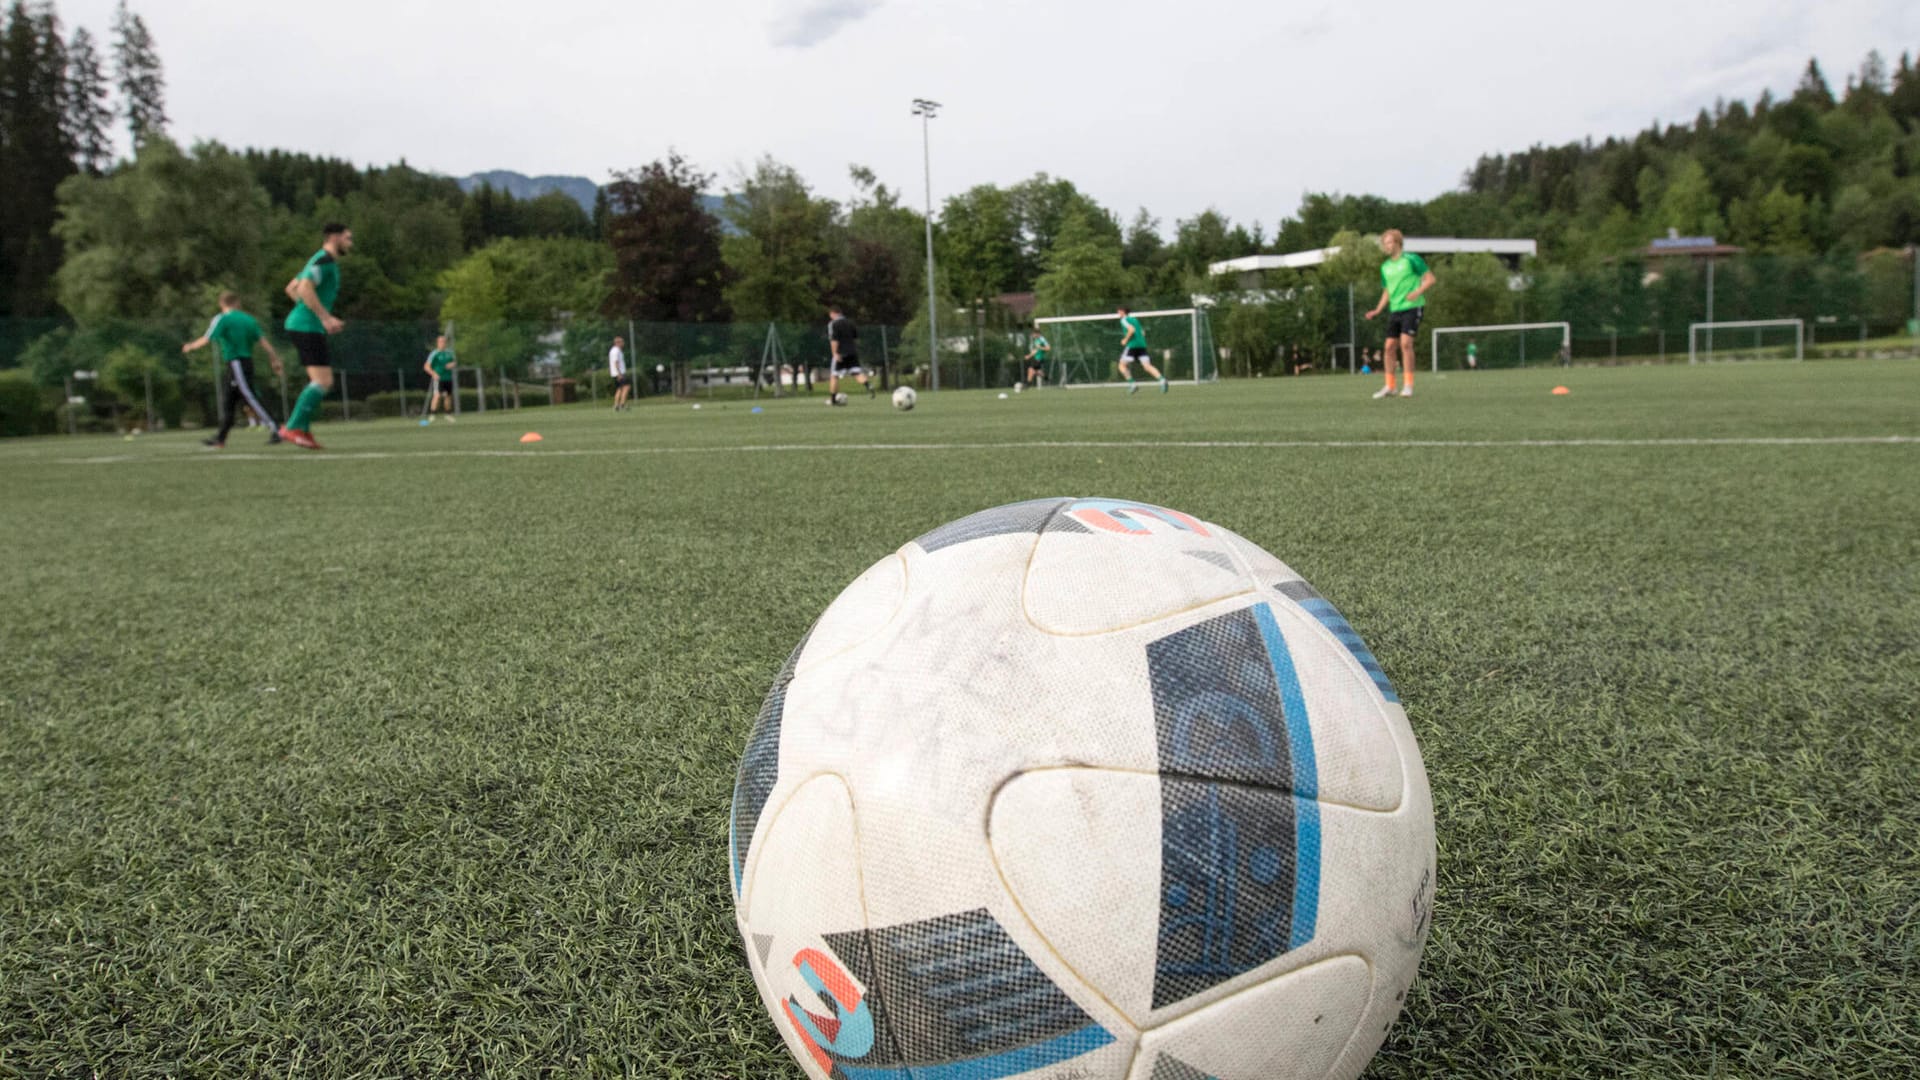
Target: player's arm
{"type": "Point", "coordinates": [273, 357]}
{"type": "Point", "coordinates": [427, 365]}
{"type": "Point", "coordinates": [1386, 297]}
{"type": "Point", "coordinates": [1426, 282]}
{"type": "Point", "coordinates": [196, 344]}
{"type": "Point", "coordinates": [1126, 337]}
{"type": "Point", "coordinates": [302, 291]}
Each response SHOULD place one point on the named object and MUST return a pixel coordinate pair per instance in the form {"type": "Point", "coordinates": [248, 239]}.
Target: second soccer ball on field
{"type": "Point", "coordinates": [905, 399]}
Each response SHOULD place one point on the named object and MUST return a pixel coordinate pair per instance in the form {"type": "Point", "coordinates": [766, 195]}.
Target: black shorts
{"type": "Point", "coordinates": [1037, 364]}
{"type": "Point", "coordinates": [312, 348]}
{"type": "Point", "coordinates": [443, 384]}
{"type": "Point", "coordinates": [847, 367]}
{"type": "Point", "coordinates": [622, 380]}
{"type": "Point", "coordinates": [1404, 322]}
{"type": "Point", "coordinates": [1138, 352]}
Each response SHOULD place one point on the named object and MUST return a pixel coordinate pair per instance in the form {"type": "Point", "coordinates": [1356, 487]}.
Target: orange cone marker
{"type": "Point", "coordinates": [1561, 390]}
{"type": "Point", "coordinates": [534, 436]}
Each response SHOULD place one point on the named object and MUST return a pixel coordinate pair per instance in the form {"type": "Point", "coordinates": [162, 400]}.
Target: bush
{"type": "Point", "coordinates": [128, 372]}
{"type": "Point", "coordinates": [24, 409]}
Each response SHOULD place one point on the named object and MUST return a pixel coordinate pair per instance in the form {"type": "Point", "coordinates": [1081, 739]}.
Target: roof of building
{"type": "Point", "coordinates": [1423, 245]}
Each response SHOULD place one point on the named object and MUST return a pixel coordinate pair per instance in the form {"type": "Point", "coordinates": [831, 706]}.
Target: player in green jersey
{"type": "Point", "coordinates": [1473, 356]}
{"type": "Point", "coordinates": [1404, 281]}
{"type": "Point", "coordinates": [439, 367]}
{"type": "Point", "coordinates": [1038, 352]}
{"type": "Point", "coordinates": [313, 292]}
{"type": "Point", "coordinates": [1133, 346]}
{"type": "Point", "coordinates": [237, 334]}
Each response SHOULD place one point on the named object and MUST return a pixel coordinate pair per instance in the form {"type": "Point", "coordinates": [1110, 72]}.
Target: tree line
{"type": "Point", "coordinates": [91, 241]}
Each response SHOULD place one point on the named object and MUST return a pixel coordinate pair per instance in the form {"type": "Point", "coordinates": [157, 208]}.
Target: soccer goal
{"type": "Point", "coordinates": [1503, 345]}
{"type": "Point", "coordinates": [1753, 339]}
{"type": "Point", "coordinates": [1086, 348]}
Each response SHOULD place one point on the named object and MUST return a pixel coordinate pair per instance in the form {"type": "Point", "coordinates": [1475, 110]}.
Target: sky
{"type": "Point", "coordinates": [1175, 107]}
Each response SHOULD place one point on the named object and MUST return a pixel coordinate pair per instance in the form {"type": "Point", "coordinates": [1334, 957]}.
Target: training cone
{"type": "Point", "coordinates": [1561, 390]}
{"type": "Point", "coordinates": [531, 436]}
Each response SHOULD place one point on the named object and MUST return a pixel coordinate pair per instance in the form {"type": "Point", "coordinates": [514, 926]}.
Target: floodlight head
{"type": "Point", "coordinates": [923, 107]}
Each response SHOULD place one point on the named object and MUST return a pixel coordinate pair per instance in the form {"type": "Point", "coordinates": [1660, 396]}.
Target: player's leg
{"type": "Point", "coordinates": [1155, 372]}
{"type": "Point", "coordinates": [317, 360]}
{"type": "Point", "coordinates": [1126, 372]}
{"type": "Point", "coordinates": [1406, 364]}
{"type": "Point", "coordinates": [230, 405]}
{"type": "Point", "coordinates": [860, 376]}
{"type": "Point", "coordinates": [1389, 355]}
{"type": "Point", "coordinates": [240, 373]}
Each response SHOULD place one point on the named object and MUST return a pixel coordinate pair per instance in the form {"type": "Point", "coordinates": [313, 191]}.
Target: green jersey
{"type": "Point", "coordinates": [1041, 348]}
{"type": "Point", "coordinates": [325, 275]}
{"type": "Point", "coordinates": [235, 332]}
{"type": "Point", "coordinates": [1139, 338]}
{"type": "Point", "coordinates": [1400, 277]}
{"type": "Point", "coordinates": [441, 361]}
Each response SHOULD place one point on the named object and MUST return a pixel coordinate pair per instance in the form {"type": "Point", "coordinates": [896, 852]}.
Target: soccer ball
{"type": "Point", "coordinates": [1018, 387]}
{"type": "Point", "coordinates": [838, 399]}
{"type": "Point", "coordinates": [905, 399]}
{"type": "Point", "coordinates": [1087, 788]}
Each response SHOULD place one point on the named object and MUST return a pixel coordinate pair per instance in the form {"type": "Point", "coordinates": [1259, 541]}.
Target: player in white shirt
{"type": "Point", "coordinates": [622, 379]}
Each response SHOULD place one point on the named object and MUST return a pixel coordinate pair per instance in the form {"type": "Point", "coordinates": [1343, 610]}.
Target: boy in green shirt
{"type": "Point", "coordinates": [1404, 280]}
{"type": "Point", "coordinates": [439, 367]}
{"type": "Point", "coordinates": [1037, 355]}
{"type": "Point", "coordinates": [237, 333]}
{"type": "Point", "coordinates": [313, 292]}
{"type": "Point", "coordinates": [1133, 346]}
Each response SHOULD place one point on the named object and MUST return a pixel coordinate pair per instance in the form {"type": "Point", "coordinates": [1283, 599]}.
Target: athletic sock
{"type": "Point", "coordinates": [1389, 382]}
{"type": "Point", "coordinates": [305, 406]}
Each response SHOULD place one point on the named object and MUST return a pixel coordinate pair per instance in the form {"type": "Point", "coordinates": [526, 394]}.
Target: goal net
{"type": "Point", "coordinates": [1510, 345]}
{"type": "Point", "coordinates": [1086, 348]}
{"type": "Point", "coordinates": [1753, 339]}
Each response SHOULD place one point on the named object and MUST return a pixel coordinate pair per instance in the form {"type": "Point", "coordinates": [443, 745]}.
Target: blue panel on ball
{"type": "Point", "coordinates": [954, 998]}
{"type": "Point", "coordinates": [1320, 608]}
{"type": "Point", "coordinates": [1021, 517]}
{"type": "Point", "coordinates": [1240, 824]}
{"type": "Point", "coordinates": [759, 767]}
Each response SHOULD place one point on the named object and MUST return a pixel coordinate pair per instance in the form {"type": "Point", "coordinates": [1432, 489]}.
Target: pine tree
{"type": "Point", "coordinates": [137, 66]}
{"type": "Point", "coordinates": [88, 114]}
{"type": "Point", "coordinates": [35, 155]}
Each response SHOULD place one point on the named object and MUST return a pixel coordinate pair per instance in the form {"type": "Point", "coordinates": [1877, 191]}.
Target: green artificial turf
{"type": "Point", "coordinates": [413, 758]}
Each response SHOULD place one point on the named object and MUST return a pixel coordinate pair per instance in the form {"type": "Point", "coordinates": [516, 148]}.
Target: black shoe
{"type": "Point", "coordinates": [217, 444]}
{"type": "Point", "coordinates": [274, 438]}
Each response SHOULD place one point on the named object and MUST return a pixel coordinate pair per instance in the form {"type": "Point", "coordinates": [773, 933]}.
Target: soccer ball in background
{"type": "Point", "coordinates": [838, 399]}
{"type": "Point", "coordinates": [1088, 788]}
{"type": "Point", "coordinates": [905, 399]}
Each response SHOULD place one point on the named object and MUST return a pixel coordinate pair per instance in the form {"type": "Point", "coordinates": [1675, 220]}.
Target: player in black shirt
{"type": "Point", "coordinates": [843, 338]}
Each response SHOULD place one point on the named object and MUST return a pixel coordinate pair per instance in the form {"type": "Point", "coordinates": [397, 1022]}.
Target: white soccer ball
{"type": "Point", "coordinates": [1017, 387]}
{"type": "Point", "coordinates": [838, 399]}
{"type": "Point", "coordinates": [905, 399]}
{"type": "Point", "coordinates": [1088, 788]}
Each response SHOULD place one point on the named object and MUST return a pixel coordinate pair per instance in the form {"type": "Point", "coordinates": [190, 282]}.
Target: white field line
{"type": "Point", "coordinates": [295, 454]}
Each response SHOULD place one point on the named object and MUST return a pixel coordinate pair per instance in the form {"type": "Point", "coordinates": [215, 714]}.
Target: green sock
{"type": "Point", "coordinates": [305, 406]}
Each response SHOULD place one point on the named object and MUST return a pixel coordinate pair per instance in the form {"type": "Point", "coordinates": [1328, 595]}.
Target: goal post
{"type": "Point", "coordinates": [1758, 328]}
{"type": "Point", "coordinates": [1086, 348]}
{"type": "Point", "coordinates": [1564, 346]}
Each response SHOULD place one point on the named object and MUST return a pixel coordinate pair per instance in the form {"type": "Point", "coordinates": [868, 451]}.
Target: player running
{"type": "Point", "coordinates": [622, 378]}
{"type": "Point", "coordinates": [1037, 355]}
{"type": "Point", "coordinates": [439, 367]}
{"type": "Point", "coordinates": [313, 292]}
{"type": "Point", "coordinates": [843, 340]}
{"type": "Point", "coordinates": [237, 333]}
{"type": "Point", "coordinates": [1133, 346]}
{"type": "Point", "coordinates": [1404, 280]}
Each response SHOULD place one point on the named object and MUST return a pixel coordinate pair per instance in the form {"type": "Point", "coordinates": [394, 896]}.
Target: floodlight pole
{"type": "Point", "coordinates": [926, 111]}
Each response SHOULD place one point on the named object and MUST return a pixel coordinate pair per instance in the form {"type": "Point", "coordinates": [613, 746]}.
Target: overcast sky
{"type": "Point", "coordinates": [1172, 106]}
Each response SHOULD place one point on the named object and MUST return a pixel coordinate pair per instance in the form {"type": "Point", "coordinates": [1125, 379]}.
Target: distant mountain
{"type": "Point", "coordinates": [520, 186]}
{"type": "Point", "coordinates": [581, 189]}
